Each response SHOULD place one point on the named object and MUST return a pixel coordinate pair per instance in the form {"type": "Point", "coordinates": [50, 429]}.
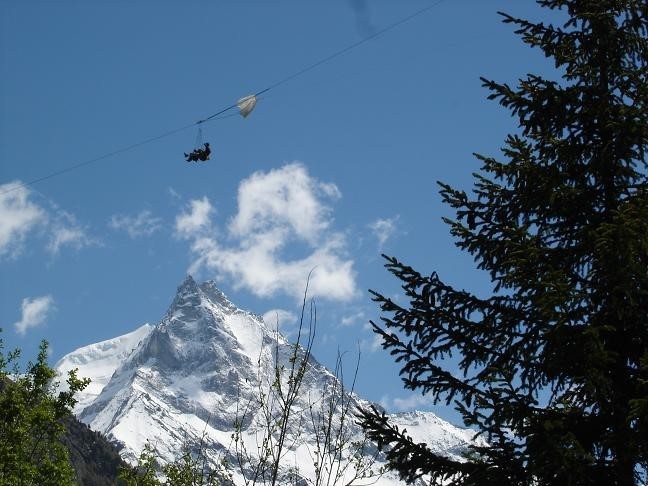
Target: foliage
{"type": "Point", "coordinates": [194, 470]}
{"type": "Point", "coordinates": [31, 415]}
{"type": "Point", "coordinates": [144, 473]}
{"type": "Point", "coordinates": [553, 366]}
{"type": "Point", "coordinates": [190, 469]}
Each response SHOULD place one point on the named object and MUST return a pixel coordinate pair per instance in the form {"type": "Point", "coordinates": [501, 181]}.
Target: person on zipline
{"type": "Point", "coordinates": [199, 154]}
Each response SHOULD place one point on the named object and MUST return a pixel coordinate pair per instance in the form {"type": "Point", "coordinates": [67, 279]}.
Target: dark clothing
{"type": "Point", "coordinates": [199, 154]}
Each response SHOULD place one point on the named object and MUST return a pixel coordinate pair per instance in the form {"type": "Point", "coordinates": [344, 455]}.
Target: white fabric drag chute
{"type": "Point", "coordinates": [246, 105]}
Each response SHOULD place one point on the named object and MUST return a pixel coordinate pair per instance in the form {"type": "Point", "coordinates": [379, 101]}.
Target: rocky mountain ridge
{"type": "Point", "coordinates": [199, 379]}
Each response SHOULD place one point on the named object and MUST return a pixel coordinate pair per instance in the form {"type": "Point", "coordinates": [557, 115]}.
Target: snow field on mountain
{"type": "Point", "coordinates": [98, 362]}
{"type": "Point", "coordinates": [208, 365]}
{"type": "Point", "coordinates": [248, 333]}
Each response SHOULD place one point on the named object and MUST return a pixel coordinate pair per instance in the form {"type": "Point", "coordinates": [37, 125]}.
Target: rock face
{"type": "Point", "coordinates": [213, 377]}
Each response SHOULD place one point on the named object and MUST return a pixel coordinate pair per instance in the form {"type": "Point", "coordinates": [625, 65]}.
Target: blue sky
{"type": "Point", "coordinates": [332, 168]}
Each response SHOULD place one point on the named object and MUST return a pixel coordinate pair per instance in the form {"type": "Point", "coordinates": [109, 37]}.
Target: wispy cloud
{"type": "Point", "coordinates": [34, 313]}
{"type": "Point", "coordinates": [408, 403]}
{"type": "Point", "coordinates": [21, 216]}
{"type": "Point", "coordinates": [353, 319]}
{"type": "Point", "coordinates": [282, 319]}
{"type": "Point", "coordinates": [18, 217]}
{"type": "Point", "coordinates": [383, 229]}
{"type": "Point", "coordinates": [282, 208]}
{"type": "Point", "coordinates": [64, 230]}
{"type": "Point", "coordinates": [138, 225]}
{"type": "Point", "coordinates": [175, 195]}
{"type": "Point", "coordinates": [371, 344]}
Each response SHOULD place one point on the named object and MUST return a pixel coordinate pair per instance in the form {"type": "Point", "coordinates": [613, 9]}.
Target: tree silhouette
{"type": "Point", "coordinates": [553, 365]}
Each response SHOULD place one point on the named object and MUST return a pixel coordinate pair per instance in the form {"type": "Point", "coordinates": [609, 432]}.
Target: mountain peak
{"type": "Point", "coordinates": [201, 327]}
{"type": "Point", "coordinates": [187, 297]}
{"type": "Point", "coordinates": [216, 295]}
{"type": "Point", "coordinates": [189, 378]}
{"type": "Point", "coordinates": [193, 299]}
{"type": "Point", "coordinates": [187, 284]}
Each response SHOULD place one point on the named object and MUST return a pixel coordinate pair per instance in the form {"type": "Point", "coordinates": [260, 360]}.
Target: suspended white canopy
{"type": "Point", "coordinates": [246, 105]}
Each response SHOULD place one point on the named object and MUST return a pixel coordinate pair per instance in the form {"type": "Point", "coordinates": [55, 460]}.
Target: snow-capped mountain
{"type": "Point", "coordinates": [212, 376]}
{"type": "Point", "coordinates": [99, 361]}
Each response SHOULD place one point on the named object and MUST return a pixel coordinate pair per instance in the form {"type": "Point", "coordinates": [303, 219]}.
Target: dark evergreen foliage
{"type": "Point", "coordinates": [554, 364]}
{"type": "Point", "coordinates": [96, 461]}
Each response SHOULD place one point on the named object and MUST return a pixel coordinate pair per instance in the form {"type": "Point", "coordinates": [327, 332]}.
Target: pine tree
{"type": "Point", "coordinates": [554, 362]}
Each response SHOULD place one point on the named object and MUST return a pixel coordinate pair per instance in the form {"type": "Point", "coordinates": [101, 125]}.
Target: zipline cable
{"type": "Point", "coordinates": [97, 159]}
{"type": "Point", "coordinates": [224, 110]}
{"type": "Point", "coordinates": [330, 57]}
{"type": "Point", "coordinates": [353, 46]}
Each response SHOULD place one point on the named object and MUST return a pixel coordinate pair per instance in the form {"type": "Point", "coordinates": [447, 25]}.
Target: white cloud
{"type": "Point", "coordinates": [61, 236]}
{"type": "Point", "coordinates": [175, 195]}
{"type": "Point", "coordinates": [65, 231]}
{"type": "Point", "coordinates": [34, 313]}
{"type": "Point", "coordinates": [383, 229]}
{"type": "Point", "coordinates": [282, 319]}
{"type": "Point", "coordinates": [196, 221]}
{"type": "Point", "coordinates": [353, 319]}
{"type": "Point", "coordinates": [276, 209]}
{"type": "Point", "coordinates": [330, 189]}
{"type": "Point", "coordinates": [372, 344]}
{"type": "Point", "coordinates": [141, 224]}
{"type": "Point", "coordinates": [18, 216]}
{"type": "Point", "coordinates": [286, 198]}
{"type": "Point", "coordinates": [406, 404]}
